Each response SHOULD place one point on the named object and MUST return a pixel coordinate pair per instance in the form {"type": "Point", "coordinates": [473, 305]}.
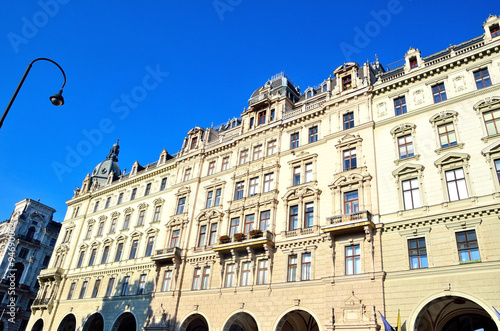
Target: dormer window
{"type": "Point", "coordinates": [309, 94]}
{"type": "Point", "coordinates": [495, 30]}
{"type": "Point", "coordinates": [262, 117]}
{"type": "Point", "coordinates": [346, 83]}
{"type": "Point", "coordinates": [413, 62]}
{"type": "Point", "coordinates": [325, 88]}
{"type": "Point", "coordinates": [194, 142]}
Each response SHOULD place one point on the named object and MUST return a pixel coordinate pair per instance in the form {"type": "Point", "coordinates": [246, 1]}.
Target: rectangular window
{"type": "Point", "coordinates": [126, 281]}
{"type": "Point", "coordinates": [52, 242]}
{"type": "Point", "coordinates": [413, 62]}
{"type": "Point", "coordinates": [296, 175]}
{"type": "Point", "coordinates": [194, 142]}
{"type": "Point", "coordinates": [308, 214]}
{"type": "Point", "coordinates": [294, 140]}
{"type": "Point", "coordinates": [264, 220]}
{"type": "Point", "coordinates": [23, 253]}
{"type": "Point", "coordinates": [292, 268]}
{"type": "Point", "coordinates": [156, 216]}
{"type": "Point", "coordinates": [211, 168]}
{"type": "Point", "coordinates": [245, 274]}
{"type": "Point", "coordinates": [174, 242]}
{"type": "Point", "coordinates": [494, 30]}
{"type": "Point", "coordinates": [196, 279]}
{"type": "Point", "coordinates": [251, 122]}
{"type": "Point", "coordinates": [134, 192]}
{"type": "Point", "coordinates": [75, 211]}
{"type": "Point", "coordinates": [257, 152]}
{"type": "Point", "coordinates": [351, 202]}
{"type": "Point", "coordinates": [306, 267]}
{"type": "Point", "coordinates": [346, 82]}
{"type": "Point", "coordinates": [96, 288]}
{"type": "Point", "coordinates": [271, 148]}
{"type": "Point", "coordinates": [238, 194]}
{"type": "Point", "coordinates": [229, 275]}
{"type": "Point", "coordinates": [262, 117]}
{"type": "Point", "coordinates": [497, 168]}
{"type": "Point", "coordinates": [126, 223]}
{"type": "Point", "coordinates": [439, 93]}
{"type": "Point", "coordinates": [273, 114]}
{"type": "Point", "coordinates": [71, 290]}
{"type": "Point", "coordinates": [120, 199]}
{"type": "Point", "coordinates": [92, 257]}
{"type": "Point", "coordinates": [84, 288]}
{"type": "Point", "coordinates": [46, 261]}
{"type": "Point", "coordinates": [405, 146]}
{"type": "Point", "coordinates": [225, 163]}
{"type": "Point", "coordinates": [148, 189]}
{"type": "Point", "coordinates": [233, 228]}
{"type": "Point", "coordinates": [100, 228]}
{"type": "Point", "coordinates": [248, 226]}
{"type": "Point", "coordinates": [417, 251]}
{"type": "Point", "coordinates": [205, 279]}
{"type": "Point", "coordinates": [313, 134]}
{"type": "Point", "coordinates": [411, 194]}
{"type": "Point", "coordinates": [352, 260]}
{"type": "Point", "coordinates": [133, 249]}
{"type": "Point", "coordinates": [218, 194]}
{"type": "Point", "coordinates": [167, 280]}
{"type": "Point", "coordinates": [492, 121]}
{"type": "Point", "coordinates": [309, 173]}
{"type": "Point", "coordinates": [262, 272]}
{"type": "Point", "coordinates": [213, 234]}
{"type": "Point", "coordinates": [112, 227]}
{"type": "Point", "coordinates": [455, 181]}
{"type": "Point", "coordinates": [400, 105]}
{"type": "Point", "coordinates": [201, 237]}
{"type": "Point", "coordinates": [244, 156]}
{"type": "Point", "coordinates": [468, 249]}
{"type": "Point", "coordinates": [348, 120]}
{"type": "Point", "coordinates": [109, 289]}
{"type": "Point", "coordinates": [105, 254]}
{"type": "Point", "coordinates": [482, 78]}
{"type": "Point", "coordinates": [253, 186]}
{"type": "Point", "coordinates": [140, 220]}
{"type": "Point", "coordinates": [447, 135]}
{"type": "Point", "coordinates": [89, 231]}
{"type": "Point", "coordinates": [80, 259]}
{"type": "Point", "coordinates": [149, 246]}
{"type": "Point", "coordinates": [209, 199]}
{"type": "Point", "coordinates": [187, 174]}
{"type": "Point", "coordinates": [96, 206]}
{"type": "Point", "coordinates": [119, 250]}
{"type": "Point", "coordinates": [350, 159]}
{"type": "Point", "coordinates": [163, 184]}
{"type": "Point", "coordinates": [142, 284]}
{"type": "Point", "coordinates": [268, 182]}
{"type": "Point", "coordinates": [293, 218]}
{"type": "Point", "coordinates": [180, 205]}
{"type": "Point", "coordinates": [108, 200]}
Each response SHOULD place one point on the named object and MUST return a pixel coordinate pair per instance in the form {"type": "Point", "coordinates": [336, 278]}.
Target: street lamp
{"type": "Point", "coordinates": [56, 99]}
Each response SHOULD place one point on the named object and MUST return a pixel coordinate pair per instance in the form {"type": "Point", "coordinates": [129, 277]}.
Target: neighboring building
{"type": "Point", "coordinates": [272, 221]}
{"type": "Point", "coordinates": [27, 240]}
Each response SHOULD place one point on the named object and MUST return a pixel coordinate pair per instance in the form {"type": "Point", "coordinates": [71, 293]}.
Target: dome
{"type": "Point", "coordinates": [103, 169]}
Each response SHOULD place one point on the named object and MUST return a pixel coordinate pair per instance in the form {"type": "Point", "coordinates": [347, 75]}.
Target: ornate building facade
{"type": "Point", "coordinates": [302, 214]}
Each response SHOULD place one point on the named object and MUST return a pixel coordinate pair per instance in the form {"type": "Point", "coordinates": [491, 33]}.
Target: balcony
{"type": "Point", "coordinates": [258, 99]}
{"type": "Point", "coordinates": [28, 239]}
{"type": "Point", "coordinates": [41, 304]}
{"type": "Point", "coordinates": [167, 254]}
{"type": "Point", "coordinates": [50, 274]}
{"type": "Point", "coordinates": [245, 241]}
{"type": "Point", "coordinates": [301, 232]}
{"type": "Point", "coordinates": [348, 223]}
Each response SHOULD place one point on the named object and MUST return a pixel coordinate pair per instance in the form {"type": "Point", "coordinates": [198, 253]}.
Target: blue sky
{"type": "Point", "coordinates": [148, 72]}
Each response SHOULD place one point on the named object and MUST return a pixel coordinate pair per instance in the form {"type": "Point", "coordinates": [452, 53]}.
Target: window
{"type": "Point", "coordinates": [264, 220]}
{"type": "Point", "coordinates": [296, 175]}
{"type": "Point", "coordinates": [455, 182]}
{"type": "Point", "coordinates": [67, 235]}
{"type": "Point", "coordinates": [140, 220]}
{"type": "Point", "coordinates": [352, 260]}
{"type": "Point", "coordinates": [225, 163]}
{"type": "Point", "coordinates": [218, 194]}
{"type": "Point", "coordinates": [167, 280]}
{"type": "Point", "coordinates": [92, 257]}
{"type": "Point", "coordinates": [120, 199]}
{"type": "Point", "coordinates": [149, 246]}
{"type": "Point", "coordinates": [163, 184]}
{"type": "Point", "coordinates": [492, 121]}
{"type": "Point", "coordinates": [83, 289]}
{"type": "Point", "coordinates": [292, 268]}
{"type": "Point", "coordinates": [306, 267]}
{"type": "Point", "coordinates": [294, 140]}
{"type": "Point", "coordinates": [350, 159]}
{"type": "Point", "coordinates": [253, 186]}
{"type": "Point", "coordinates": [89, 232]}
{"type": "Point", "coordinates": [244, 156]}
{"type": "Point", "coordinates": [174, 241]}
{"type": "Point", "coordinates": [134, 192]}
{"type": "Point", "coordinates": [248, 226]}
{"type": "Point", "coordinates": [126, 281]}
{"type": "Point", "coordinates": [142, 284]}
{"type": "Point", "coordinates": [75, 211]}
{"type": "Point", "coordinates": [180, 205]}
{"type": "Point", "coordinates": [348, 120]}
{"type": "Point", "coordinates": [148, 189]}
{"type": "Point", "coordinates": [194, 142]}
{"type": "Point", "coordinates": [271, 148]}
{"type": "Point", "coordinates": [273, 113]}
{"type": "Point", "coordinates": [108, 200]}
{"type": "Point", "coordinates": [105, 254]}
{"type": "Point", "coordinates": [126, 223]}
{"type": "Point", "coordinates": [497, 168]}
{"type": "Point", "coordinates": [205, 278]}
{"type": "Point", "coordinates": [417, 252]}
{"type": "Point", "coordinates": [494, 30]}
{"type": "Point", "coordinates": [447, 135]}
{"type": "Point", "coordinates": [262, 272]}
{"type": "Point", "coordinates": [112, 227]}
{"type": "Point", "coordinates": [268, 182]}
{"type": "Point", "coordinates": [482, 78]}
{"type": "Point", "coordinates": [245, 274]}
{"type": "Point", "coordinates": [405, 145]}
{"type": "Point", "coordinates": [439, 93]}
{"type": "Point", "coordinates": [96, 206]}
{"type": "Point", "coordinates": [80, 259]}
{"type": "Point", "coordinates": [257, 152]}
{"type": "Point", "coordinates": [211, 168]}
{"type": "Point", "coordinates": [346, 82]}
{"type": "Point", "coordinates": [233, 228]}
{"type": "Point", "coordinates": [209, 199]}
{"type": "Point", "coordinates": [100, 228]}
{"type": "Point", "coordinates": [201, 237]}
{"type": "Point", "coordinates": [156, 216]}
{"type": "Point", "coordinates": [413, 63]}
{"type": "Point", "coordinates": [119, 250]}
{"type": "Point", "coordinates": [196, 279]}
{"type": "Point", "coordinates": [400, 105]}
{"type": "Point", "coordinates": [52, 242]}
{"type": "Point", "coordinates": [411, 194]}
{"type": "Point", "coordinates": [96, 288]}
{"type": "Point", "coordinates": [213, 234]}
{"type": "Point", "coordinates": [109, 289]}
{"type": "Point", "coordinates": [262, 117]}
{"type": "Point", "coordinates": [133, 249]}
{"type": "Point", "coordinates": [293, 218]}
{"type": "Point", "coordinates": [309, 215]}
{"type": "Point", "coordinates": [46, 260]}
{"type": "Point", "coordinates": [23, 253]}
{"type": "Point", "coordinates": [325, 88]}
{"type": "Point", "coordinates": [309, 94]}
{"type": "Point", "coordinates": [71, 290]}
{"type": "Point", "coordinates": [251, 122]}
{"type": "Point", "coordinates": [187, 174]}
{"type": "Point", "coordinates": [313, 134]}
{"type": "Point", "coordinates": [238, 194]}
{"type": "Point", "coordinates": [468, 250]}
{"type": "Point", "coordinates": [351, 202]}
{"type": "Point", "coordinates": [229, 275]}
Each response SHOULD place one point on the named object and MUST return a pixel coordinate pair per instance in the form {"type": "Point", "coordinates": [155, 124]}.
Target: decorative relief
{"type": "Point", "coordinates": [459, 83]}
{"type": "Point", "coordinates": [418, 97]}
{"type": "Point", "coordinates": [382, 109]}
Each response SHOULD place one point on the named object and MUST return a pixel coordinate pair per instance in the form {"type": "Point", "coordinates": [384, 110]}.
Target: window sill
{"type": "Point", "coordinates": [449, 148]}
{"type": "Point", "coordinates": [490, 137]}
{"type": "Point", "coordinates": [412, 158]}
{"type": "Point", "coordinates": [471, 261]}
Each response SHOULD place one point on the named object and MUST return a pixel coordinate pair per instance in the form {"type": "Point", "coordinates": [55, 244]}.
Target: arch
{"type": "Point", "coordinates": [19, 267]}
{"type": "Point", "coordinates": [298, 320]}
{"type": "Point", "coordinates": [125, 322]}
{"type": "Point", "coordinates": [38, 326]}
{"type": "Point", "coordinates": [95, 322]}
{"type": "Point", "coordinates": [195, 322]}
{"type": "Point", "coordinates": [446, 312]}
{"type": "Point", "coordinates": [68, 323]}
{"type": "Point", "coordinates": [241, 321]}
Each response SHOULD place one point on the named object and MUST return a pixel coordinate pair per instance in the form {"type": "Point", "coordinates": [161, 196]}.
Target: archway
{"type": "Point", "coordinates": [94, 323]}
{"type": "Point", "coordinates": [38, 326]}
{"type": "Point", "coordinates": [68, 323]}
{"type": "Point", "coordinates": [453, 313]}
{"type": "Point", "coordinates": [297, 320]}
{"type": "Point", "coordinates": [195, 322]}
{"type": "Point", "coordinates": [241, 322]}
{"type": "Point", "coordinates": [126, 322]}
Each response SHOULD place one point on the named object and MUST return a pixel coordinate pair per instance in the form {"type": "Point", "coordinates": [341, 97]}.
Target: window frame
{"type": "Point", "coordinates": [313, 134]}
{"type": "Point", "coordinates": [243, 157]}
{"type": "Point", "coordinates": [439, 92]}
{"type": "Point", "coordinates": [349, 161]}
{"type": "Point", "coordinates": [257, 152]}
{"type": "Point", "coordinates": [482, 78]}
{"type": "Point", "coordinates": [211, 168]}
{"type": "Point", "coordinates": [271, 147]}
{"type": "Point", "coordinates": [294, 140]}
{"type": "Point", "coordinates": [348, 120]}
{"type": "Point", "coordinates": [419, 253]}
{"type": "Point", "coordinates": [400, 107]}
{"type": "Point", "coordinates": [416, 201]}
{"type": "Point", "coordinates": [468, 244]}
{"type": "Point", "coordinates": [355, 264]}
{"type": "Point", "coordinates": [181, 205]}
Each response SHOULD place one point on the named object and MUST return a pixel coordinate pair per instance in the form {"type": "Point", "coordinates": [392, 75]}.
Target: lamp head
{"type": "Point", "coordinates": [57, 99]}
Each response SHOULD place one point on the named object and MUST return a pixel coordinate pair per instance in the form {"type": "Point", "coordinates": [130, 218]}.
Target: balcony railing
{"type": "Point", "coordinates": [348, 222]}
{"type": "Point", "coordinates": [265, 238]}
{"type": "Point", "coordinates": [166, 254]}
{"type": "Point", "coordinates": [301, 232]}
{"type": "Point", "coordinates": [29, 239]}
{"type": "Point", "coordinates": [50, 274]}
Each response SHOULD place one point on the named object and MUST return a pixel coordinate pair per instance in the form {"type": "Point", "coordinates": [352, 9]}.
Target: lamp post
{"type": "Point", "coordinates": [56, 99]}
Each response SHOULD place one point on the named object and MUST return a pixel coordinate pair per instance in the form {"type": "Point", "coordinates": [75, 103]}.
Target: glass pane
{"type": "Point", "coordinates": [348, 251]}
{"type": "Point", "coordinates": [406, 185]}
{"type": "Point", "coordinates": [452, 137]}
{"type": "Point", "coordinates": [349, 267]}
{"type": "Point", "coordinates": [459, 173]}
{"type": "Point", "coordinates": [416, 199]}
{"type": "Point", "coordinates": [474, 253]}
{"type": "Point", "coordinates": [412, 243]}
{"type": "Point", "coordinates": [464, 255]}
{"type": "Point", "coordinates": [414, 262]}
{"type": "Point", "coordinates": [357, 265]}
{"type": "Point", "coordinates": [423, 261]}
{"type": "Point", "coordinates": [452, 191]}
{"type": "Point", "coordinates": [351, 195]}
{"type": "Point", "coordinates": [407, 200]}
{"type": "Point", "coordinates": [356, 250]}
{"type": "Point", "coordinates": [471, 235]}
{"type": "Point", "coordinates": [490, 127]}
{"type": "Point", "coordinates": [421, 242]}
{"type": "Point", "coordinates": [461, 237]}
{"type": "Point", "coordinates": [462, 189]}
{"type": "Point", "coordinates": [450, 175]}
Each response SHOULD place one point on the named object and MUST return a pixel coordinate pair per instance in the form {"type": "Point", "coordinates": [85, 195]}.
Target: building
{"type": "Point", "coordinates": [27, 240]}
{"type": "Point", "coordinates": [296, 215]}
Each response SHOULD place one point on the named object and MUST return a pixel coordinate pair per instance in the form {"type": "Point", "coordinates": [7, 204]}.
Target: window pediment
{"type": "Point", "coordinates": [151, 230]}
{"type": "Point", "coordinates": [95, 243]}
{"type": "Point", "coordinates": [135, 234]}
{"type": "Point", "coordinates": [176, 221]}
{"type": "Point", "coordinates": [183, 191]}
{"type": "Point", "coordinates": [115, 214]}
{"type": "Point", "coordinates": [82, 247]}
{"type": "Point", "coordinates": [350, 179]}
{"type": "Point", "coordinates": [103, 218]}
{"type": "Point", "coordinates": [450, 158]}
{"type": "Point", "coordinates": [301, 192]}
{"type": "Point", "coordinates": [142, 206]}
{"type": "Point", "coordinates": [491, 149]}
{"type": "Point", "coordinates": [407, 168]}
{"type": "Point", "coordinates": [443, 116]}
{"type": "Point", "coordinates": [108, 240]}
{"type": "Point", "coordinates": [486, 104]}
{"type": "Point", "coordinates": [158, 201]}
{"type": "Point", "coordinates": [62, 249]}
{"type": "Point", "coordinates": [121, 237]}
{"type": "Point", "coordinates": [403, 128]}
{"type": "Point", "coordinates": [129, 210]}
{"type": "Point", "coordinates": [209, 214]}
{"type": "Point", "coordinates": [348, 139]}
{"type": "Point", "coordinates": [91, 221]}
